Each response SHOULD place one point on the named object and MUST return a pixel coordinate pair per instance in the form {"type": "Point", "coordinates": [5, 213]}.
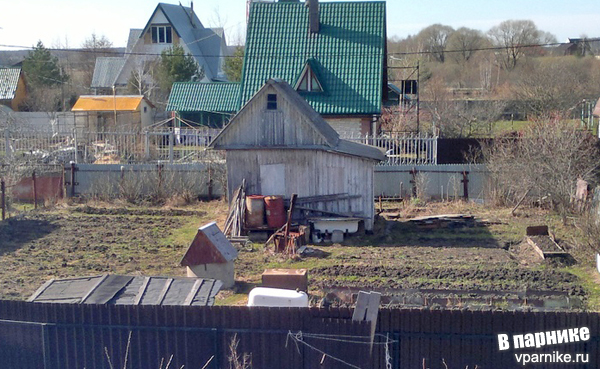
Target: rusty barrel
{"type": "Point", "coordinates": [255, 211]}
{"type": "Point", "coordinates": [275, 211]}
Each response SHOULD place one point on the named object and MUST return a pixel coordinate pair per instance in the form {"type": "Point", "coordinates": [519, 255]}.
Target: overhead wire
{"type": "Point", "coordinates": [294, 55]}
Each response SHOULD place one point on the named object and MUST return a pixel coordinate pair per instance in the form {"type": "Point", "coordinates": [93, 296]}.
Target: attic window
{"type": "Point", "coordinates": [309, 82]}
{"type": "Point", "coordinates": [271, 102]}
{"type": "Point", "coordinates": [161, 35]}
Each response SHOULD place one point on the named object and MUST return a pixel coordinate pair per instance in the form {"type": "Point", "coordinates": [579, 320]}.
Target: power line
{"type": "Point", "coordinates": [291, 55]}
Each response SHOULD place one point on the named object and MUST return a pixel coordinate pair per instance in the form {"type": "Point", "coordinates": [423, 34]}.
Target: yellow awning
{"type": "Point", "coordinates": [108, 103]}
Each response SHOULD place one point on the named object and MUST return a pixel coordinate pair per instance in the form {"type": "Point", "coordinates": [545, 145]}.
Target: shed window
{"type": "Point", "coordinates": [161, 35]}
{"type": "Point", "coordinates": [271, 102]}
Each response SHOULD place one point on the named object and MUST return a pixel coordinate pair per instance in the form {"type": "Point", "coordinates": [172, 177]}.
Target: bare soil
{"type": "Point", "coordinates": [482, 259]}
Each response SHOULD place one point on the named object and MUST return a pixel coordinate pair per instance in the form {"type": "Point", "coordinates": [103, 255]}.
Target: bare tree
{"type": "Point", "coordinates": [93, 47]}
{"type": "Point", "coordinates": [464, 43]}
{"type": "Point", "coordinates": [556, 84]}
{"type": "Point", "coordinates": [435, 39]}
{"type": "Point", "coordinates": [142, 80]}
{"type": "Point", "coordinates": [547, 160]}
{"type": "Point", "coordinates": [515, 37]}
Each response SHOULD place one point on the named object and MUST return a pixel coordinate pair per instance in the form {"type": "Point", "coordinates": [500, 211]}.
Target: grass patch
{"type": "Point", "coordinates": [590, 281]}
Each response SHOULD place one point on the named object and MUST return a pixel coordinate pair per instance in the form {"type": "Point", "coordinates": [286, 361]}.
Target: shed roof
{"type": "Point", "coordinates": [348, 52]}
{"type": "Point", "coordinates": [210, 246]}
{"type": "Point", "coordinates": [9, 81]}
{"type": "Point", "coordinates": [200, 96]}
{"type": "Point", "coordinates": [316, 121]}
{"type": "Point", "coordinates": [109, 103]}
{"type": "Point", "coordinates": [107, 71]}
{"type": "Point", "coordinates": [129, 290]}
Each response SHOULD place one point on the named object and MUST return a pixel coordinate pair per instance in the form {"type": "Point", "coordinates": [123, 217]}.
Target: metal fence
{"type": "Point", "coordinates": [173, 145]}
{"type": "Point", "coordinates": [402, 148]}
{"type": "Point", "coordinates": [170, 145]}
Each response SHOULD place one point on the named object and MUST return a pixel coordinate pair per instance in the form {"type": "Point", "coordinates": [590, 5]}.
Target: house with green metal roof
{"type": "Point", "coordinates": [332, 53]}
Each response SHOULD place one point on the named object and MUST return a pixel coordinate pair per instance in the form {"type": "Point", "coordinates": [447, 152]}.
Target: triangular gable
{"type": "Point", "coordinates": [309, 80]}
{"type": "Point", "coordinates": [210, 246]}
{"type": "Point", "coordinates": [321, 132]}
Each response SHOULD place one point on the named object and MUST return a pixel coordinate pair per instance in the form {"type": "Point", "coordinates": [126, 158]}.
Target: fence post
{"type": "Point", "coordinates": [160, 167]}
{"type": "Point", "coordinates": [414, 172]}
{"type": "Point", "coordinates": [171, 144]}
{"type": "Point", "coordinates": [147, 145]}
{"type": "Point", "coordinates": [75, 144]}
{"type": "Point", "coordinates": [465, 182]}
{"type": "Point", "coordinates": [73, 169]}
{"type": "Point", "coordinates": [3, 199]}
{"type": "Point", "coordinates": [35, 199]}
{"type": "Point", "coordinates": [7, 143]}
{"type": "Point", "coordinates": [210, 183]}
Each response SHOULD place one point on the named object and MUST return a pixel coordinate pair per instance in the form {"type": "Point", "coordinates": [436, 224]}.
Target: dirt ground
{"type": "Point", "coordinates": [478, 263]}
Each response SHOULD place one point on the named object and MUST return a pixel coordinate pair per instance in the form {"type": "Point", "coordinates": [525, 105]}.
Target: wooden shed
{"type": "Point", "coordinates": [211, 255]}
{"type": "Point", "coordinates": [281, 146]}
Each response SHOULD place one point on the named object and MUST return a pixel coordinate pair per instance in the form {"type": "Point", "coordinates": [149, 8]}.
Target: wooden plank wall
{"type": "Point", "coordinates": [71, 336]}
{"type": "Point", "coordinates": [308, 173]}
{"type": "Point", "coordinates": [34, 335]}
{"type": "Point", "coordinates": [256, 126]}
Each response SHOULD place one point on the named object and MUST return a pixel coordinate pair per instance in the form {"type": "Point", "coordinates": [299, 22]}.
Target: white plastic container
{"type": "Point", "coordinates": [328, 225]}
{"type": "Point", "coordinates": [277, 297]}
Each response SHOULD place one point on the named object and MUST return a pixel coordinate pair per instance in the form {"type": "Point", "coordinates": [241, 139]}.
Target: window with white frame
{"type": "Point", "coordinates": [162, 35]}
{"type": "Point", "coordinates": [309, 81]}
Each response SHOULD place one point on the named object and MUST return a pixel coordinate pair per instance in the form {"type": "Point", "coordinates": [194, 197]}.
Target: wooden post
{"type": "Point", "coordinates": [3, 190]}
{"type": "Point", "coordinates": [160, 167]}
{"type": "Point", "coordinates": [287, 224]}
{"type": "Point", "coordinates": [210, 183]}
{"type": "Point", "coordinates": [414, 172]}
{"type": "Point", "coordinates": [465, 182]}
{"type": "Point", "coordinates": [35, 199]}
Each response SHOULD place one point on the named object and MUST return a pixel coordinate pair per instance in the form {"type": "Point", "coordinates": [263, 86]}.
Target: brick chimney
{"type": "Point", "coordinates": [313, 15]}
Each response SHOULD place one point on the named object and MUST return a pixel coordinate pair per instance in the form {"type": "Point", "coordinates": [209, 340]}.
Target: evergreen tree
{"type": "Point", "coordinates": [176, 66]}
{"type": "Point", "coordinates": [233, 65]}
{"type": "Point", "coordinates": [42, 69]}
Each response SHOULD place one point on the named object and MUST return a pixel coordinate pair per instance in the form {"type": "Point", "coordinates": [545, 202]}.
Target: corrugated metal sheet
{"type": "Point", "coordinates": [199, 96]}
{"type": "Point", "coordinates": [107, 103]}
{"type": "Point", "coordinates": [347, 53]}
{"type": "Point", "coordinates": [134, 35]}
{"type": "Point", "coordinates": [9, 81]}
{"type": "Point", "coordinates": [210, 246]}
{"type": "Point", "coordinates": [129, 290]}
{"type": "Point", "coordinates": [107, 71]}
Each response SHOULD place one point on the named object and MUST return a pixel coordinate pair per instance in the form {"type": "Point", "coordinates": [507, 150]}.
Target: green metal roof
{"type": "Point", "coordinates": [347, 54]}
{"type": "Point", "coordinates": [199, 96]}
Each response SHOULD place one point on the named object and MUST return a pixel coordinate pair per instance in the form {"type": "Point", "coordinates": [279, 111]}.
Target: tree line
{"type": "Point", "coordinates": [469, 78]}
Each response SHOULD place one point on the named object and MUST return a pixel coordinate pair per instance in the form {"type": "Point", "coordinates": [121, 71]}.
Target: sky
{"type": "Point", "coordinates": [67, 23]}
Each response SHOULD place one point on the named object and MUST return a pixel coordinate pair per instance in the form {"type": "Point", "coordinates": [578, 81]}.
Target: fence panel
{"type": "Point", "coordinates": [22, 345]}
{"type": "Point", "coordinates": [403, 148]}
